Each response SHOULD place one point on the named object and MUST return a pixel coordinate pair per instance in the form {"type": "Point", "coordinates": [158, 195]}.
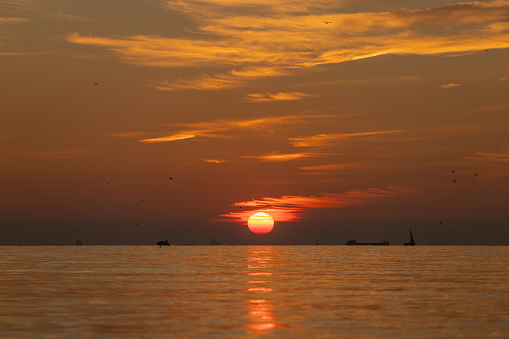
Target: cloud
{"type": "Point", "coordinates": [219, 128]}
{"type": "Point", "coordinates": [179, 136]}
{"type": "Point", "coordinates": [321, 140]}
{"type": "Point", "coordinates": [230, 79]}
{"type": "Point", "coordinates": [498, 157]}
{"type": "Point", "coordinates": [4, 21]}
{"type": "Point", "coordinates": [214, 161]}
{"type": "Point", "coordinates": [329, 167]}
{"type": "Point", "coordinates": [450, 85]}
{"type": "Point", "coordinates": [281, 96]}
{"type": "Point", "coordinates": [157, 51]}
{"type": "Point", "coordinates": [18, 5]}
{"type": "Point", "coordinates": [276, 157]}
{"type": "Point", "coordinates": [60, 15]}
{"type": "Point", "coordinates": [255, 39]}
{"type": "Point", "coordinates": [291, 208]}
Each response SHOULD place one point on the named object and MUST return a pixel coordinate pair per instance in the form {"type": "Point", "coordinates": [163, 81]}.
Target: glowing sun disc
{"type": "Point", "coordinates": [260, 223]}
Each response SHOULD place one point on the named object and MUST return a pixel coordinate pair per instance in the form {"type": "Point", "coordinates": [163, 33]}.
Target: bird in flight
{"type": "Point", "coordinates": [327, 22]}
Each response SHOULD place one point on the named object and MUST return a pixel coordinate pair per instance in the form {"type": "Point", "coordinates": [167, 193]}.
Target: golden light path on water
{"type": "Point", "coordinates": [259, 274]}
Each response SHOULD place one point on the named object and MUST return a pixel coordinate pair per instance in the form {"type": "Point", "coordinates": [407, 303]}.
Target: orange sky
{"type": "Point", "coordinates": [339, 118]}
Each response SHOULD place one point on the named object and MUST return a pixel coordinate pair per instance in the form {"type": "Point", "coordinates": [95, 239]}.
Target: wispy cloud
{"type": "Point", "coordinates": [327, 169]}
{"type": "Point", "coordinates": [60, 15]}
{"type": "Point", "coordinates": [330, 167]}
{"type": "Point", "coordinates": [259, 39]}
{"type": "Point", "coordinates": [174, 137]}
{"type": "Point", "coordinates": [4, 21]}
{"type": "Point", "coordinates": [219, 128]}
{"type": "Point", "coordinates": [498, 157]}
{"type": "Point", "coordinates": [276, 156]}
{"type": "Point", "coordinates": [291, 208]}
{"type": "Point", "coordinates": [321, 140]}
{"type": "Point", "coordinates": [230, 79]}
{"type": "Point", "coordinates": [18, 5]}
{"type": "Point", "coordinates": [281, 96]}
{"type": "Point", "coordinates": [214, 161]}
{"type": "Point", "coordinates": [450, 85]}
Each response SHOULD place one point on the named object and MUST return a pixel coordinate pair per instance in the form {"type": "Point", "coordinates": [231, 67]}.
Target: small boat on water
{"type": "Point", "coordinates": [411, 242]}
{"type": "Point", "coordinates": [163, 243]}
{"type": "Point", "coordinates": [354, 242]}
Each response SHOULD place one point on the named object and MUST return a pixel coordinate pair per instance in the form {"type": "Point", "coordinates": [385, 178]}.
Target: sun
{"type": "Point", "coordinates": [260, 223]}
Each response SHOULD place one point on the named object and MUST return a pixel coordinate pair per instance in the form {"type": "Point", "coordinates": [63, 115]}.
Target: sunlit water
{"type": "Point", "coordinates": [244, 291]}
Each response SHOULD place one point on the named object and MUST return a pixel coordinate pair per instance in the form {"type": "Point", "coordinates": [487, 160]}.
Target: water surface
{"type": "Point", "coordinates": [245, 291]}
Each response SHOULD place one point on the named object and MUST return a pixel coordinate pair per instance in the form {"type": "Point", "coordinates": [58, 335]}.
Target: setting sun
{"type": "Point", "coordinates": [260, 223]}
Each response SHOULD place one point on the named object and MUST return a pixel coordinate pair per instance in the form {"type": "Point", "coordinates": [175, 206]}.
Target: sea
{"type": "Point", "coordinates": [254, 291]}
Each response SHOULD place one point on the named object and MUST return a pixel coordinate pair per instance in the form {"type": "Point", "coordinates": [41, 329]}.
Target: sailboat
{"type": "Point", "coordinates": [411, 242]}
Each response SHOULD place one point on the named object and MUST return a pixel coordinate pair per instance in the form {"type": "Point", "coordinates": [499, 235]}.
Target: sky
{"type": "Point", "coordinates": [129, 122]}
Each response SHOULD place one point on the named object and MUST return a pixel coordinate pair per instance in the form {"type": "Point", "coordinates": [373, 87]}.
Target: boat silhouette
{"type": "Point", "coordinates": [163, 243]}
{"type": "Point", "coordinates": [354, 242]}
{"type": "Point", "coordinates": [411, 242]}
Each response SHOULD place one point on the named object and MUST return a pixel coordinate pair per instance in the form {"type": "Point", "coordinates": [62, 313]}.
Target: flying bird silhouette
{"type": "Point", "coordinates": [327, 22]}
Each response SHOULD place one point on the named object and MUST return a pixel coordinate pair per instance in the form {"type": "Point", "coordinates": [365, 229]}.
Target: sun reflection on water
{"type": "Point", "coordinates": [260, 308]}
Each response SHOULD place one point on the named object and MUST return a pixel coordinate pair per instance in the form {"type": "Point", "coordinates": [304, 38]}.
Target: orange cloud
{"type": "Point", "coordinates": [498, 157]}
{"type": "Point", "coordinates": [281, 96]}
{"type": "Point", "coordinates": [218, 128]}
{"type": "Point", "coordinates": [4, 20]}
{"type": "Point", "coordinates": [60, 15]}
{"type": "Point", "coordinates": [233, 78]}
{"type": "Point", "coordinates": [326, 169]}
{"type": "Point", "coordinates": [276, 39]}
{"type": "Point", "coordinates": [450, 85]}
{"type": "Point", "coordinates": [179, 136]}
{"type": "Point", "coordinates": [291, 208]}
{"type": "Point", "coordinates": [284, 156]}
{"type": "Point", "coordinates": [334, 167]}
{"type": "Point", "coordinates": [214, 161]}
{"type": "Point", "coordinates": [329, 139]}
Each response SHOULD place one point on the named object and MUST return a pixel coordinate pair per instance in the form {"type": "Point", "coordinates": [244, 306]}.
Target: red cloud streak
{"type": "Point", "coordinates": [291, 208]}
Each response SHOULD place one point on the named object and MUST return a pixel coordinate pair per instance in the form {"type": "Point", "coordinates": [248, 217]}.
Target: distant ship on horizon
{"type": "Point", "coordinates": [163, 243]}
{"type": "Point", "coordinates": [354, 242]}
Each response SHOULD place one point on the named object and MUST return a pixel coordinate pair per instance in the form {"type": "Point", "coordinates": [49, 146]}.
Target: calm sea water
{"type": "Point", "coordinates": [245, 291]}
